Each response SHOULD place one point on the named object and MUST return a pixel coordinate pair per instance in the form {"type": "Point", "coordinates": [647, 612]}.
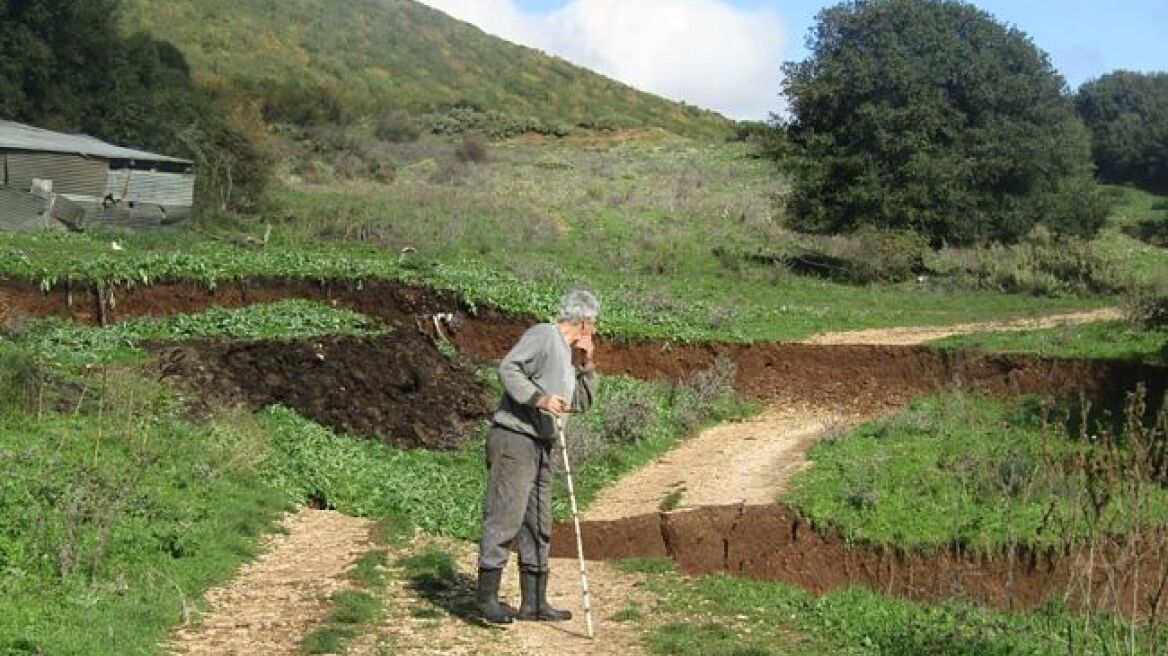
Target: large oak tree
{"type": "Point", "coordinates": [931, 116]}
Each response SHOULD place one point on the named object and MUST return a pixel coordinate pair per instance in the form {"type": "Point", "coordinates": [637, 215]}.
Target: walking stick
{"type": "Point", "coordinates": [576, 519]}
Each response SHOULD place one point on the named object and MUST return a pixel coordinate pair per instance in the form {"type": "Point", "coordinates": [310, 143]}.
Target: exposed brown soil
{"type": "Point", "coordinates": [848, 378]}
{"type": "Point", "coordinates": [274, 602]}
{"type": "Point", "coordinates": [772, 543]}
{"type": "Point", "coordinates": [398, 387]}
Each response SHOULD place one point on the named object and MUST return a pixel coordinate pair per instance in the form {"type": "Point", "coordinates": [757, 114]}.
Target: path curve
{"type": "Point", "coordinates": [745, 462]}
{"type": "Point", "coordinates": [750, 462]}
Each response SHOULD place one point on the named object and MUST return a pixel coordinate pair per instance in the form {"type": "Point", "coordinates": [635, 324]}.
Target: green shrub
{"type": "Point", "coordinates": [1150, 231]}
{"type": "Point", "coordinates": [472, 149]}
{"type": "Point", "coordinates": [396, 127]}
{"type": "Point", "coordinates": [18, 378]}
{"type": "Point", "coordinates": [1147, 307]}
{"type": "Point", "coordinates": [1041, 265]}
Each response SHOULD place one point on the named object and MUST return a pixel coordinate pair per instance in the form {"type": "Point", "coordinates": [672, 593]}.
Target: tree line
{"type": "Point", "coordinates": [931, 116]}
{"type": "Point", "coordinates": [67, 65]}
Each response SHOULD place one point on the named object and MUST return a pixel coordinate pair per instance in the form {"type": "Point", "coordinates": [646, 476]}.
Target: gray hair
{"type": "Point", "coordinates": [579, 305]}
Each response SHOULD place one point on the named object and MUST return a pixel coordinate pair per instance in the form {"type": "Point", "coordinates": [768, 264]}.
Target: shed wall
{"type": "Point", "coordinates": [71, 174]}
{"type": "Point", "coordinates": [175, 190]}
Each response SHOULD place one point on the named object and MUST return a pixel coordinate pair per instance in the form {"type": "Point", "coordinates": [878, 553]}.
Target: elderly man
{"type": "Point", "coordinates": [548, 374]}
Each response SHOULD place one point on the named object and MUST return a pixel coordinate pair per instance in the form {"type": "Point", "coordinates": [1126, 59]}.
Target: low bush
{"type": "Point", "coordinates": [18, 378]}
{"type": "Point", "coordinates": [1146, 307]}
{"type": "Point", "coordinates": [1150, 231]}
{"type": "Point", "coordinates": [1041, 265]}
{"type": "Point", "coordinates": [472, 149]}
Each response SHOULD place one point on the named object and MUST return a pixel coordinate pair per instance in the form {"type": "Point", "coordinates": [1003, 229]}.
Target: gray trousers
{"type": "Point", "coordinates": [517, 507]}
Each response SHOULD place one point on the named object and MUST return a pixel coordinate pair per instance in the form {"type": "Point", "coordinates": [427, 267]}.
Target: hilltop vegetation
{"type": "Point", "coordinates": [309, 62]}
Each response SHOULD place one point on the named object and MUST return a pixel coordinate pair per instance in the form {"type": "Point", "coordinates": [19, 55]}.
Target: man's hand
{"type": "Point", "coordinates": [557, 405]}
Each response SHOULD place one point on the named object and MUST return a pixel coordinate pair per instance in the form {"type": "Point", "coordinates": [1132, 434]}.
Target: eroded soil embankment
{"type": "Point", "coordinates": [852, 378]}
{"type": "Point", "coordinates": [772, 543]}
{"type": "Point", "coordinates": [398, 387]}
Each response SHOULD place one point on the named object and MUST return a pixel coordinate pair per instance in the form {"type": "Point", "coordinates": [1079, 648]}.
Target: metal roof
{"type": "Point", "coordinates": [18, 136]}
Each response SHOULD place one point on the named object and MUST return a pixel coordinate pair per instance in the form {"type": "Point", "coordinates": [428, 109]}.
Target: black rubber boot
{"type": "Point", "coordinates": [488, 597]}
{"type": "Point", "coordinates": [533, 587]}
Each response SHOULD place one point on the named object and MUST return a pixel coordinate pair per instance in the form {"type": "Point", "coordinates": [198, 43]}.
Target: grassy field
{"type": "Point", "coordinates": [959, 469]}
{"type": "Point", "coordinates": [1117, 340]}
{"type": "Point", "coordinates": [674, 235]}
{"type": "Point", "coordinates": [118, 510]}
{"type": "Point", "coordinates": [722, 616]}
{"type": "Point", "coordinates": [680, 240]}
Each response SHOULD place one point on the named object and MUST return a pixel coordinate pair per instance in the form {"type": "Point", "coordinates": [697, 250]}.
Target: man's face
{"type": "Point", "coordinates": [584, 330]}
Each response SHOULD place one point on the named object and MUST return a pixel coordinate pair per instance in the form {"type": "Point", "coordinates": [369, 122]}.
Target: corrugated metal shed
{"type": "Point", "coordinates": [166, 189]}
{"type": "Point", "coordinates": [80, 181]}
{"type": "Point", "coordinates": [71, 174]}
{"type": "Point", "coordinates": [18, 136]}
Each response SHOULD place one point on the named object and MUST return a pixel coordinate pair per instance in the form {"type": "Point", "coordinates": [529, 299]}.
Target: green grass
{"type": "Point", "coordinates": [113, 524]}
{"type": "Point", "coordinates": [327, 640]}
{"type": "Point", "coordinates": [434, 564]}
{"type": "Point", "coordinates": [963, 470]}
{"type": "Point", "coordinates": [1144, 261]}
{"type": "Point", "coordinates": [73, 345]}
{"type": "Point", "coordinates": [1105, 340]}
{"type": "Point", "coordinates": [354, 607]}
{"type": "Point", "coordinates": [367, 571]}
{"type": "Point", "coordinates": [182, 503]}
{"type": "Point", "coordinates": [637, 222]}
{"type": "Point", "coordinates": [727, 616]}
{"type": "Point", "coordinates": [440, 492]}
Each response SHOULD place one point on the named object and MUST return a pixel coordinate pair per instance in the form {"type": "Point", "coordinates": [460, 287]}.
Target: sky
{"type": "Point", "coordinates": [726, 55]}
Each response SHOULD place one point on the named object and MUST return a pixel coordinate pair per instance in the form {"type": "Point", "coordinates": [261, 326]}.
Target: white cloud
{"type": "Point", "coordinates": [705, 52]}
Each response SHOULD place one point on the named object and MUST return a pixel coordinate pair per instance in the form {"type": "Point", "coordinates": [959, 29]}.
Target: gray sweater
{"type": "Point", "coordinates": [539, 365]}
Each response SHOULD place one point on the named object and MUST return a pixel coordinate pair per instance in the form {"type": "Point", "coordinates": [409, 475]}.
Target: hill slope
{"type": "Point", "coordinates": [323, 61]}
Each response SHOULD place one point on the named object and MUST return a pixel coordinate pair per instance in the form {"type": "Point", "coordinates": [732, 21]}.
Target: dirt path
{"type": "Point", "coordinates": [275, 601]}
{"type": "Point", "coordinates": [431, 622]}
{"type": "Point", "coordinates": [919, 335]}
{"type": "Point", "coordinates": [750, 462]}
{"type": "Point", "coordinates": [743, 462]}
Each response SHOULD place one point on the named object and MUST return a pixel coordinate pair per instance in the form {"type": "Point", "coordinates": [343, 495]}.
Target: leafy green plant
{"type": "Point", "coordinates": [1106, 339]}
{"type": "Point", "coordinates": [956, 469]}
{"type": "Point", "coordinates": [67, 343]}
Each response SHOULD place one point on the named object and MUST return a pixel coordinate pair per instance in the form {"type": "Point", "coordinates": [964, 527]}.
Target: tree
{"type": "Point", "coordinates": [928, 115]}
{"type": "Point", "coordinates": [66, 65]}
{"type": "Point", "coordinates": [1127, 114]}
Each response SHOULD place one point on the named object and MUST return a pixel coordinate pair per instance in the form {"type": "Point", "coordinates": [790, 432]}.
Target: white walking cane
{"type": "Point", "coordinates": [576, 519]}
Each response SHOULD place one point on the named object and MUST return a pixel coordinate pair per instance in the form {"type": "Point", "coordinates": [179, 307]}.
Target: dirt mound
{"type": "Point", "coordinates": [773, 543]}
{"type": "Point", "coordinates": [398, 388]}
